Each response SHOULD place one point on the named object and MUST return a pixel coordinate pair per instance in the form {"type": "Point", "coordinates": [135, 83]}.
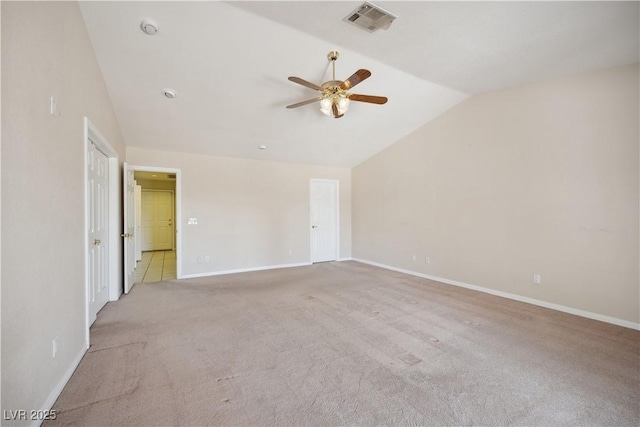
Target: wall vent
{"type": "Point", "coordinates": [171, 176]}
{"type": "Point", "coordinates": [370, 17]}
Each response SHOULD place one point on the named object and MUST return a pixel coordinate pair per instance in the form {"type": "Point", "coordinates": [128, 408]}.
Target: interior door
{"type": "Point", "coordinates": [324, 220]}
{"type": "Point", "coordinates": [157, 220]}
{"type": "Point", "coordinates": [98, 222]}
{"type": "Point", "coordinates": [129, 188]}
{"type": "Point", "coordinates": [138, 230]}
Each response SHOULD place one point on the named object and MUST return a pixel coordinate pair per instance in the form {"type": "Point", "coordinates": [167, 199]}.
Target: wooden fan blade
{"type": "Point", "coordinates": [356, 78]}
{"type": "Point", "coordinates": [308, 101]}
{"type": "Point", "coordinates": [305, 83]}
{"type": "Point", "coordinates": [368, 98]}
{"type": "Point", "coordinates": [336, 113]}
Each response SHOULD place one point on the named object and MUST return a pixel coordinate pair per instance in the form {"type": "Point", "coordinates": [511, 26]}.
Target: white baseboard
{"type": "Point", "coordinates": [345, 259]}
{"type": "Point", "coordinates": [558, 307]}
{"type": "Point", "coordinates": [243, 270]}
{"type": "Point", "coordinates": [55, 393]}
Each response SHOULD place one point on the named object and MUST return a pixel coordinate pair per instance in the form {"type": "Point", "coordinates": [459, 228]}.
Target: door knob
{"type": "Point", "coordinates": [96, 242]}
{"type": "Point", "coordinates": [314, 226]}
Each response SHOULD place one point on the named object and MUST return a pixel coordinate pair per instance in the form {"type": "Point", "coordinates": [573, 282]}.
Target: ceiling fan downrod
{"type": "Point", "coordinates": [333, 57]}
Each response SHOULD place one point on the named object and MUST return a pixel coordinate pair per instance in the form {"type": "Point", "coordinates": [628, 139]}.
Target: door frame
{"type": "Point", "coordinates": [337, 183]}
{"type": "Point", "coordinates": [177, 206]}
{"type": "Point", "coordinates": [91, 133]}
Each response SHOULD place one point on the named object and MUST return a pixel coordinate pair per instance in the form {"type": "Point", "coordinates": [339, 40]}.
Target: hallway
{"type": "Point", "coordinates": [156, 266]}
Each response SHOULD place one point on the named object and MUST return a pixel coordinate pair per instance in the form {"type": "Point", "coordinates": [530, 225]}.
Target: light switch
{"type": "Point", "coordinates": [192, 221]}
{"type": "Point", "coordinates": [53, 108]}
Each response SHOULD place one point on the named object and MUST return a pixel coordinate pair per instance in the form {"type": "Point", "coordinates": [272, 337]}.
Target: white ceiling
{"type": "Point", "coordinates": [229, 63]}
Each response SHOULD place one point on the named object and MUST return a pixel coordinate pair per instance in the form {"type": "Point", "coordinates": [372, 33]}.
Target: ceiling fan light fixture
{"type": "Point", "coordinates": [333, 95]}
{"type": "Point", "coordinates": [325, 105]}
{"type": "Point", "coordinates": [339, 100]}
{"type": "Point", "coordinates": [343, 104]}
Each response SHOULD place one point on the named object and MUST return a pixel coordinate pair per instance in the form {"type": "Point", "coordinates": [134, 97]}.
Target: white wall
{"type": "Point", "coordinates": [250, 213]}
{"type": "Point", "coordinates": [45, 51]}
{"type": "Point", "coordinates": [540, 178]}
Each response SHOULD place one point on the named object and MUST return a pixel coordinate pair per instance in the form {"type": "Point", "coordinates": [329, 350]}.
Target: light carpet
{"type": "Point", "coordinates": [346, 344]}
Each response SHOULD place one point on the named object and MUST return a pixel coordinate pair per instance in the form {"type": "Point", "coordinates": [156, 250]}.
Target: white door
{"type": "Point", "coordinates": [157, 220]}
{"type": "Point", "coordinates": [98, 221]}
{"type": "Point", "coordinates": [324, 220]}
{"type": "Point", "coordinates": [129, 188]}
{"type": "Point", "coordinates": [138, 230]}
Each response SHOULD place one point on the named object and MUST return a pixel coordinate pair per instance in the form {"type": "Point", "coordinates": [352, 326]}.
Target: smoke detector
{"type": "Point", "coordinates": [149, 27]}
{"type": "Point", "coordinates": [169, 93]}
{"type": "Point", "coordinates": [370, 17]}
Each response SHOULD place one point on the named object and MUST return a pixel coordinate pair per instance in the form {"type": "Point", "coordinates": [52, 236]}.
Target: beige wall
{"type": "Point", "coordinates": [540, 178]}
{"type": "Point", "coordinates": [45, 51]}
{"type": "Point", "coordinates": [250, 213]}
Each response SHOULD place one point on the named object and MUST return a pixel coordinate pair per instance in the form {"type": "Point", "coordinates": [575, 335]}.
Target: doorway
{"type": "Point", "coordinates": [323, 204]}
{"type": "Point", "coordinates": [155, 225]}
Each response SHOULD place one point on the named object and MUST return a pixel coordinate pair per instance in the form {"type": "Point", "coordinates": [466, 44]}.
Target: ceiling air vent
{"type": "Point", "coordinates": [370, 17]}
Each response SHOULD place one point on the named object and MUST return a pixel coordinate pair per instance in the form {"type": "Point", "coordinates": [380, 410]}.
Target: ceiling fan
{"type": "Point", "coordinates": [334, 96]}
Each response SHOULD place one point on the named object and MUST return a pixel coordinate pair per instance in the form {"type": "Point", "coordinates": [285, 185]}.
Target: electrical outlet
{"type": "Point", "coordinates": [207, 258]}
{"type": "Point", "coordinates": [427, 260]}
{"type": "Point", "coordinates": [199, 260]}
{"type": "Point", "coordinates": [536, 278]}
{"type": "Point", "coordinates": [413, 257]}
{"type": "Point", "coordinates": [290, 252]}
{"type": "Point", "coordinates": [54, 347]}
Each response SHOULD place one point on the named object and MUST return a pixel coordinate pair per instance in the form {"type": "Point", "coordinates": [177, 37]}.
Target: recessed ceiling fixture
{"type": "Point", "coordinates": [169, 93]}
{"type": "Point", "coordinates": [370, 17]}
{"type": "Point", "coordinates": [334, 98]}
{"type": "Point", "coordinates": [262, 147]}
{"type": "Point", "coordinates": [149, 27]}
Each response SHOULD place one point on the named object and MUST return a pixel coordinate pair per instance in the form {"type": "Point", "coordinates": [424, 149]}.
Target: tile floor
{"type": "Point", "coordinates": [156, 266]}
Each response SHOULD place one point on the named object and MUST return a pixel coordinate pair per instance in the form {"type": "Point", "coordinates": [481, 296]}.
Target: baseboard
{"type": "Point", "coordinates": [55, 393]}
{"type": "Point", "coordinates": [345, 259]}
{"type": "Point", "coordinates": [515, 297]}
{"type": "Point", "coordinates": [243, 270]}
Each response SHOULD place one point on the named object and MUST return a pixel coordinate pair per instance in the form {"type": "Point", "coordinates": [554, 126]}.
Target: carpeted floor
{"type": "Point", "coordinates": [346, 344]}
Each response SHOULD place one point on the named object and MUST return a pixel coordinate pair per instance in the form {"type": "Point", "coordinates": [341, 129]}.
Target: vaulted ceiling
{"type": "Point", "coordinates": [229, 61]}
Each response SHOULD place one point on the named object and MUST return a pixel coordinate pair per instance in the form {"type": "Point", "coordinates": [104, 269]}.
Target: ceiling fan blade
{"type": "Point", "coordinates": [305, 83]}
{"type": "Point", "coordinates": [336, 113]}
{"type": "Point", "coordinates": [368, 98]}
{"type": "Point", "coordinates": [308, 101]}
{"type": "Point", "coordinates": [356, 78]}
